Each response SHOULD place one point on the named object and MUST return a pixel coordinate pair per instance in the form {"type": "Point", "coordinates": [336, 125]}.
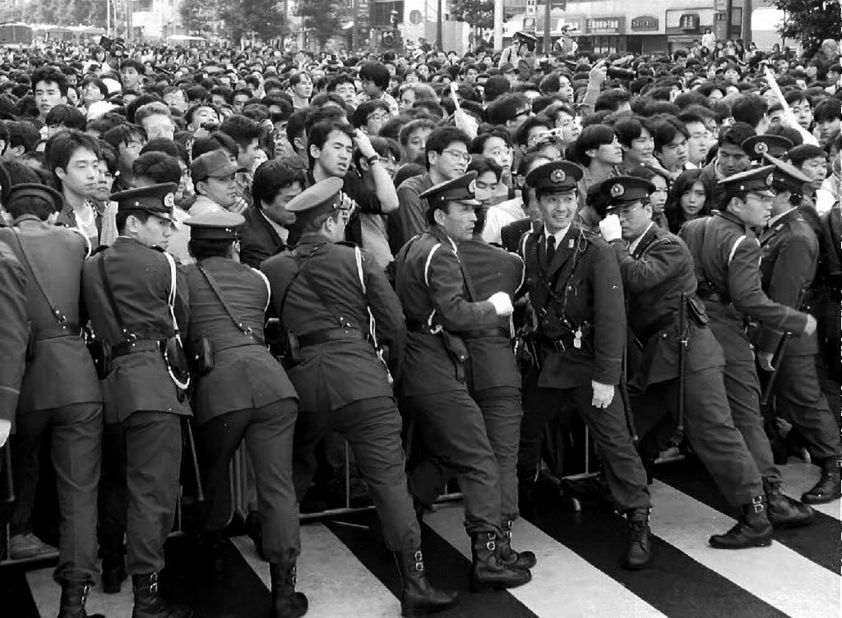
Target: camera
{"type": "Point", "coordinates": [618, 73]}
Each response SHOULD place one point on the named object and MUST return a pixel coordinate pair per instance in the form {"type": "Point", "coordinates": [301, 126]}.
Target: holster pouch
{"type": "Point", "coordinates": [100, 352]}
{"type": "Point", "coordinates": [177, 364]}
{"type": "Point", "coordinates": [292, 351]}
{"type": "Point", "coordinates": [202, 356]}
{"type": "Point", "coordinates": [458, 352]}
{"type": "Point", "coordinates": [696, 311]}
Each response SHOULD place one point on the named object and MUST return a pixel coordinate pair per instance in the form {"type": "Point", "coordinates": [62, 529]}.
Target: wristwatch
{"type": "Point", "coordinates": [373, 159]}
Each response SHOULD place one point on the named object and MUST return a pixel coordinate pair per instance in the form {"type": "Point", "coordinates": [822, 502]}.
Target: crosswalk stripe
{"type": "Point", "coordinates": [778, 575]}
{"type": "Point", "coordinates": [799, 476]}
{"type": "Point", "coordinates": [586, 591]}
{"type": "Point", "coordinates": [47, 593]}
{"type": "Point", "coordinates": [336, 583]}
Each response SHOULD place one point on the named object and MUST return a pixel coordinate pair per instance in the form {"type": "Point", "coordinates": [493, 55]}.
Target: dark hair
{"type": "Point", "coordinates": [443, 137]}
{"type": "Point", "coordinates": [360, 115]}
{"type": "Point", "coordinates": [736, 134]}
{"type": "Point", "coordinates": [530, 123]}
{"type": "Point", "coordinates": [383, 146]}
{"type": "Point", "coordinates": [413, 125]}
{"type": "Point", "coordinates": [191, 111]}
{"type": "Point", "coordinates": [611, 100]}
{"type": "Point", "coordinates": [505, 107]}
{"type": "Point", "coordinates": [592, 136]}
{"type": "Point", "coordinates": [108, 154]}
{"type": "Point", "coordinates": [376, 72]}
{"type": "Point", "coordinates": [272, 176]}
{"type": "Point", "coordinates": [478, 145]}
{"type": "Point", "coordinates": [664, 131]}
{"type": "Point", "coordinates": [124, 133]}
{"type": "Point", "coordinates": [123, 215]}
{"type": "Point", "coordinates": [296, 127]}
{"type": "Point", "coordinates": [157, 166]}
{"type": "Point", "coordinates": [338, 80]}
{"type": "Point", "coordinates": [324, 114]}
{"type": "Point", "coordinates": [241, 129]}
{"type": "Point", "coordinates": [629, 129]}
{"type": "Point", "coordinates": [749, 108]}
{"type": "Point", "coordinates": [62, 145]}
{"type": "Point", "coordinates": [828, 109]}
{"type": "Point", "coordinates": [167, 146]}
{"type": "Point", "coordinates": [319, 134]}
{"type": "Point", "coordinates": [22, 133]}
{"type": "Point", "coordinates": [49, 75]}
{"type": "Point", "coordinates": [481, 165]}
{"type": "Point", "coordinates": [216, 141]}
{"type": "Point", "coordinates": [132, 63]}
{"type": "Point", "coordinates": [685, 181]}
{"type": "Point", "coordinates": [223, 91]}
{"type": "Point", "coordinates": [93, 79]}
{"type": "Point", "coordinates": [66, 115]}
{"type": "Point", "coordinates": [202, 248]}
{"type": "Point", "coordinates": [791, 134]}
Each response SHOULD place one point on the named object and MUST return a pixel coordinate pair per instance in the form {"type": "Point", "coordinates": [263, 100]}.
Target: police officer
{"type": "Point", "coordinates": [658, 276]}
{"type": "Point", "coordinates": [493, 380]}
{"type": "Point", "coordinates": [576, 294]}
{"type": "Point", "coordinates": [726, 255]}
{"type": "Point", "coordinates": [521, 53]}
{"type": "Point", "coordinates": [59, 392]}
{"type": "Point", "coordinates": [139, 317]}
{"type": "Point", "coordinates": [241, 392]}
{"type": "Point", "coordinates": [443, 309]}
{"type": "Point", "coordinates": [790, 251]}
{"type": "Point", "coordinates": [340, 314]}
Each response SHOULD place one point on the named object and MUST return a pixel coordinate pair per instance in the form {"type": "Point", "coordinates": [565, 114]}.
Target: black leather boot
{"type": "Point", "coordinates": [113, 572]}
{"type": "Point", "coordinates": [418, 597]}
{"type": "Point", "coordinates": [148, 603]}
{"type": "Point", "coordinates": [783, 511]}
{"type": "Point", "coordinates": [827, 489]}
{"type": "Point", "coordinates": [488, 571]}
{"type": "Point", "coordinates": [510, 557]}
{"type": "Point", "coordinates": [753, 529]}
{"type": "Point", "coordinates": [286, 602]}
{"type": "Point", "coordinates": [639, 552]}
{"type": "Point", "coordinates": [73, 598]}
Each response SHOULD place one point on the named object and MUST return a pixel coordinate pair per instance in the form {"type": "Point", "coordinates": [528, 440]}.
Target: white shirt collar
{"type": "Point", "coordinates": [633, 244]}
{"type": "Point", "coordinates": [775, 219]}
{"type": "Point", "coordinates": [282, 232]}
{"type": "Point", "coordinates": [558, 235]}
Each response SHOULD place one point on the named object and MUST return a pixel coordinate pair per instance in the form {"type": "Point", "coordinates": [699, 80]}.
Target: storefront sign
{"type": "Point", "coordinates": [605, 25]}
{"type": "Point", "coordinates": [645, 23]}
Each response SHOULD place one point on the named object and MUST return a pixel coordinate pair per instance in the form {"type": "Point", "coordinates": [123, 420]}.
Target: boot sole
{"type": "Point", "coordinates": [498, 586]}
{"type": "Point", "coordinates": [792, 524]}
{"type": "Point", "coordinates": [757, 543]}
{"type": "Point", "coordinates": [411, 612]}
{"type": "Point", "coordinates": [825, 500]}
{"type": "Point", "coordinates": [637, 567]}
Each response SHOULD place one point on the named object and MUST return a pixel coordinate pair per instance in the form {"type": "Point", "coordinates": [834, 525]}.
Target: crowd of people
{"type": "Point", "coordinates": [441, 259]}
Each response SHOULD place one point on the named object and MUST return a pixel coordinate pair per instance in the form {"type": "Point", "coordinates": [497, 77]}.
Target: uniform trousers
{"type": "Point", "coordinates": [372, 428]}
{"type": "Point", "coordinates": [799, 397]}
{"type": "Point", "coordinates": [743, 389]}
{"type": "Point", "coordinates": [113, 495]}
{"type": "Point", "coordinates": [608, 427]}
{"type": "Point", "coordinates": [501, 412]}
{"type": "Point", "coordinates": [153, 464]}
{"type": "Point", "coordinates": [708, 427]}
{"type": "Point", "coordinates": [76, 435]}
{"type": "Point", "coordinates": [268, 434]}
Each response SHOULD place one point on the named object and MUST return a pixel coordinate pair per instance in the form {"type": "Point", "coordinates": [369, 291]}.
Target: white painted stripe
{"type": "Point", "coordinates": [47, 593]}
{"type": "Point", "coordinates": [336, 583]}
{"type": "Point", "coordinates": [778, 575]}
{"type": "Point", "coordinates": [798, 477]}
{"type": "Point", "coordinates": [563, 583]}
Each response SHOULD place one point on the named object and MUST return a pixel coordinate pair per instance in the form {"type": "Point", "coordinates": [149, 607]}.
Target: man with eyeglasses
{"type": "Point", "coordinates": [370, 116]}
{"type": "Point", "coordinates": [658, 275]}
{"type": "Point", "coordinates": [726, 254]}
{"type": "Point", "coordinates": [446, 155]}
{"type": "Point", "coordinates": [576, 294]}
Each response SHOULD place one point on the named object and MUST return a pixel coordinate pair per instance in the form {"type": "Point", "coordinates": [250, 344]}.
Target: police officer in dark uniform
{"type": "Point", "coordinates": [790, 251]}
{"type": "Point", "coordinates": [443, 310]}
{"type": "Point", "coordinates": [340, 314]}
{"type": "Point", "coordinates": [726, 255]}
{"type": "Point", "coordinates": [241, 392]}
{"type": "Point", "coordinates": [493, 381]}
{"type": "Point", "coordinates": [139, 317]}
{"type": "Point", "coordinates": [658, 276]}
{"type": "Point", "coordinates": [13, 335]}
{"type": "Point", "coordinates": [60, 392]}
{"type": "Point", "coordinates": [576, 293]}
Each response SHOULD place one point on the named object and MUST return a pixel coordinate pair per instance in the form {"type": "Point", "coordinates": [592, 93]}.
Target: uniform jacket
{"type": "Point", "coordinates": [244, 374]}
{"type": "Point", "coordinates": [13, 330]}
{"type": "Point", "coordinates": [60, 371]}
{"type": "Point", "coordinates": [789, 251]}
{"type": "Point", "coordinates": [337, 373]}
{"type": "Point", "coordinates": [580, 288]}
{"type": "Point", "coordinates": [654, 277]}
{"type": "Point", "coordinates": [140, 280]}
{"type": "Point", "coordinates": [491, 269]}
{"type": "Point", "coordinates": [433, 292]}
{"type": "Point", "coordinates": [411, 216]}
{"type": "Point", "coordinates": [727, 255]}
{"type": "Point", "coordinates": [511, 234]}
{"type": "Point", "coordinates": [258, 239]}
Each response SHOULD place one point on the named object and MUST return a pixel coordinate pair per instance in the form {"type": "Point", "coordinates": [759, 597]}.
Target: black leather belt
{"type": "Point", "coordinates": [330, 334]}
{"type": "Point", "coordinates": [714, 297]}
{"type": "Point", "coordinates": [561, 343]}
{"type": "Point", "coordinates": [133, 347]}
{"type": "Point", "coordinates": [242, 344]}
{"type": "Point", "coordinates": [54, 331]}
{"type": "Point", "coordinates": [485, 332]}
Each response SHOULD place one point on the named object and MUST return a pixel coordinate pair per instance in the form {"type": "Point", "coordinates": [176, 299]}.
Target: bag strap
{"type": "Point", "coordinates": [58, 314]}
{"type": "Point", "coordinates": [182, 384]}
{"type": "Point", "coordinates": [246, 330]}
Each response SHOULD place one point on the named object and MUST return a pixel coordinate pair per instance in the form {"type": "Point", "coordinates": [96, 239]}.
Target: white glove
{"type": "Point", "coordinates": [603, 394]}
{"type": "Point", "coordinates": [810, 327]}
{"type": "Point", "coordinates": [502, 303]}
{"type": "Point", "coordinates": [610, 228]}
{"type": "Point", "coordinates": [5, 429]}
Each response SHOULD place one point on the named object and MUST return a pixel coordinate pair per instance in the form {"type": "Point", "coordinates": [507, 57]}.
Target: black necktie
{"type": "Point", "coordinates": [550, 249]}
